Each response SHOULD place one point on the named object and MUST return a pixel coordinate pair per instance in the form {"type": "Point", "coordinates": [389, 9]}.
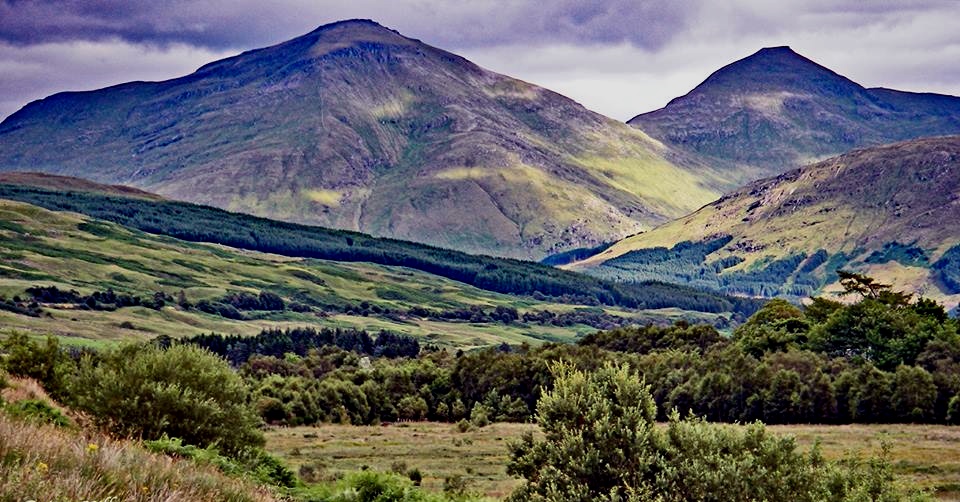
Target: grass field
{"type": "Point", "coordinates": [922, 455]}
{"type": "Point", "coordinates": [40, 247]}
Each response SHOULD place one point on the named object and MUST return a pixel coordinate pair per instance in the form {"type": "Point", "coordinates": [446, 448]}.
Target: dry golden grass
{"type": "Point", "coordinates": [438, 450]}
{"type": "Point", "coordinates": [46, 463]}
{"type": "Point", "coordinates": [925, 456]}
{"type": "Point", "coordinates": [19, 389]}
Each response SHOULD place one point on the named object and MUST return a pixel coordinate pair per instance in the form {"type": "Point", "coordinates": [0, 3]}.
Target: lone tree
{"type": "Point", "coordinates": [601, 444]}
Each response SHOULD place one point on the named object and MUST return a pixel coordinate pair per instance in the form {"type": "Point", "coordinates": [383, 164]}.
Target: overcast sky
{"type": "Point", "coordinates": [619, 57]}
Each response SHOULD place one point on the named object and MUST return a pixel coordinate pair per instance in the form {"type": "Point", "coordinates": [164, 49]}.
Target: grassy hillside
{"type": "Point", "coordinates": [203, 224]}
{"type": "Point", "coordinates": [776, 110]}
{"type": "Point", "coordinates": [54, 182]}
{"type": "Point", "coordinates": [889, 211]}
{"type": "Point", "coordinates": [44, 462]}
{"type": "Point", "coordinates": [354, 126]}
{"type": "Point", "coordinates": [46, 248]}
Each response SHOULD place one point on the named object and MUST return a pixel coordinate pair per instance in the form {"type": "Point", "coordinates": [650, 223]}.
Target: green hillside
{"type": "Point", "coordinates": [208, 288]}
{"type": "Point", "coordinates": [354, 126]}
{"type": "Point", "coordinates": [889, 211]}
{"type": "Point", "coordinates": [205, 224]}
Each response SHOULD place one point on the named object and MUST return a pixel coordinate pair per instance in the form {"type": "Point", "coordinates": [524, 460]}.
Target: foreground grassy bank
{"type": "Point", "coordinates": [46, 462]}
{"type": "Point", "coordinates": [925, 456]}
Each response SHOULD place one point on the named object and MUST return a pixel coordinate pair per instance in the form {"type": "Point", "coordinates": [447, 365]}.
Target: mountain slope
{"type": "Point", "coordinates": [892, 211]}
{"type": "Point", "coordinates": [357, 127]}
{"type": "Point", "coordinates": [52, 248]}
{"type": "Point", "coordinates": [193, 223]}
{"type": "Point", "coordinates": [776, 109]}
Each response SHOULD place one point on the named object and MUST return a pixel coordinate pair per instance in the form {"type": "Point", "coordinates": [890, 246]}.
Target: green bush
{"type": "Point", "coordinates": [601, 444]}
{"type": "Point", "coordinates": [44, 362]}
{"type": "Point", "coordinates": [480, 415]}
{"type": "Point", "coordinates": [181, 391]}
{"type": "Point", "coordinates": [253, 462]}
{"type": "Point", "coordinates": [36, 411]}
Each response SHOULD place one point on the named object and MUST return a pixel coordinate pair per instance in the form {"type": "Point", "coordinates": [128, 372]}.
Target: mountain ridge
{"type": "Point", "coordinates": [355, 126]}
{"type": "Point", "coordinates": [777, 109]}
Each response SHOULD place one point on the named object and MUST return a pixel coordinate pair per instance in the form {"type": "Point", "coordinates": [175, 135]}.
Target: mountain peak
{"type": "Point", "coordinates": [324, 40]}
{"type": "Point", "coordinates": [356, 28]}
{"type": "Point", "coordinates": [356, 22]}
{"type": "Point", "coordinates": [779, 67]}
{"type": "Point", "coordinates": [779, 50]}
{"type": "Point", "coordinates": [777, 109]}
{"type": "Point", "coordinates": [354, 31]}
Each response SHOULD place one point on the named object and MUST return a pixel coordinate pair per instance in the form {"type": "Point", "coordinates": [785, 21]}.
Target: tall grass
{"type": "Point", "coordinates": [44, 463]}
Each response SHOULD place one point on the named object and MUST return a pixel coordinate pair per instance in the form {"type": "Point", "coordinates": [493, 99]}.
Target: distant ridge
{"type": "Point", "coordinates": [892, 211]}
{"type": "Point", "coordinates": [54, 182]}
{"type": "Point", "coordinates": [777, 109]}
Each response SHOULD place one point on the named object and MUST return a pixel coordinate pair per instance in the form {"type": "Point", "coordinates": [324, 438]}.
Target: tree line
{"type": "Point", "coordinates": [883, 358]}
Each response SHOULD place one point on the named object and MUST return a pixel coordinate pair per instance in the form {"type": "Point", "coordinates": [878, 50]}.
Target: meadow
{"type": "Point", "coordinates": [927, 456]}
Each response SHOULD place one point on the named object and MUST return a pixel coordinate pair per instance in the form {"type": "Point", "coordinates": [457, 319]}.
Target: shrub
{"type": "Point", "coordinates": [371, 486]}
{"type": "Point", "coordinates": [601, 444]}
{"type": "Point", "coordinates": [44, 362]}
{"type": "Point", "coordinates": [37, 411]}
{"type": "Point", "coordinates": [480, 415]}
{"type": "Point", "coordinates": [182, 391]}
{"type": "Point", "coordinates": [416, 477]}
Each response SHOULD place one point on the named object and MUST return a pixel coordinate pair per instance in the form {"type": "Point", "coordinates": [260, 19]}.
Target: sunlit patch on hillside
{"type": "Point", "coordinates": [329, 198]}
{"type": "Point", "coordinates": [512, 89]}
{"type": "Point", "coordinates": [662, 186]}
{"type": "Point", "coordinates": [543, 204]}
{"type": "Point", "coordinates": [770, 104]}
{"type": "Point", "coordinates": [395, 107]}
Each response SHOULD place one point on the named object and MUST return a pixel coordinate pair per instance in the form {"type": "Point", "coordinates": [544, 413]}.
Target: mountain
{"type": "Point", "coordinates": [776, 110]}
{"type": "Point", "coordinates": [354, 126]}
{"type": "Point", "coordinates": [891, 211]}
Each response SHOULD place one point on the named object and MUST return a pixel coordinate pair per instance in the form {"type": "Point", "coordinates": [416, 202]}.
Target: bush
{"type": "Point", "coordinates": [601, 444]}
{"type": "Point", "coordinates": [182, 391]}
{"type": "Point", "coordinates": [37, 411]}
{"type": "Point", "coordinates": [480, 416]}
{"type": "Point", "coordinates": [416, 477]}
{"type": "Point", "coordinates": [46, 363]}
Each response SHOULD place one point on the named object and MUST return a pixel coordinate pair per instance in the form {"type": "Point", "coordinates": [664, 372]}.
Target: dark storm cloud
{"type": "Point", "coordinates": [244, 23]}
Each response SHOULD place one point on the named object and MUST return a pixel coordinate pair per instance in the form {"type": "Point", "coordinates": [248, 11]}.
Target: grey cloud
{"type": "Point", "coordinates": [619, 57]}
{"type": "Point", "coordinates": [245, 23]}
{"type": "Point", "coordinates": [36, 71]}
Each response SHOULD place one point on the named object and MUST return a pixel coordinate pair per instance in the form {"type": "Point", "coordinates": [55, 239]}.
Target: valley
{"type": "Point", "coordinates": [352, 266]}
